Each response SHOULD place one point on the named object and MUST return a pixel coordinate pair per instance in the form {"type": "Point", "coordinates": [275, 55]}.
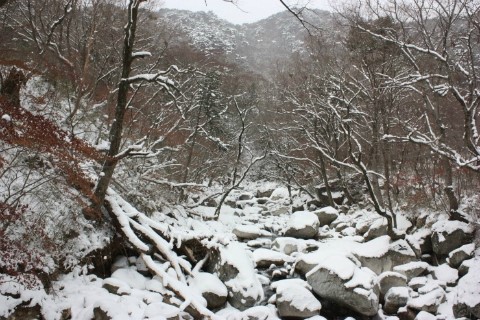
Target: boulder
{"type": "Point", "coordinates": [234, 267]}
{"type": "Point", "coordinates": [467, 296]}
{"type": "Point", "coordinates": [456, 257]}
{"type": "Point", "coordinates": [250, 232]}
{"type": "Point", "coordinates": [279, 193]}
{"type": "Point", "coordinates": [449, 235]}
{"type": "Point", "coordinates": [211, 288]}
{"type": "Point", "coordinates": [412, 269]}
{"type": "Point", "coordinates": [387, 256]}
{"type": "Point", "coordinates": [428, 300]}
{"type": "Point", "coordinates": [280, 211]}
{"type": "Point", "coordinates": [390, 279]}
{"type": "Point", "coordinates": [377, 229]}
{"type": "Point", "coordinates": [341, 281]}
{"type": "Point", "coordinates": [465, 267]}
{"type": "Point", "coordinates": [396, 298]}
{"type": "Point", "coordinates": [326, 215]}
{"type": "Point", "coordinates": [288, 245]}
{"type": "Point", "coordinates": [422, 315]}
{"type": "Point", "coordinates": [294, 299]}
{"type": "Point", "coordinates": [245, 196]}
{"type": "Point", "coordinates": [423, 238]}
{"type": "Point", "coordinates": [264, 258]}
{"type": "Point", "coordinates": [445, 275]}
{"type": "Point", "coordinates": [303, 225]}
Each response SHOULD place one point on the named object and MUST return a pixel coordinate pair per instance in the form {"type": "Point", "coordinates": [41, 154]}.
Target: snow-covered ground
{"type": "Point", "coordinates": [254, 271]}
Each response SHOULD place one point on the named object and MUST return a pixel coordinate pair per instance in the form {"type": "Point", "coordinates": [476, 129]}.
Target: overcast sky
{"type": "Point", "coordinates": [245, 11]}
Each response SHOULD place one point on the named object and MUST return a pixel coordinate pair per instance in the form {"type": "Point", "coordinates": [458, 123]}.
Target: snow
{"type": "Point", "coordinates": [362, 278]}
{"type": "Point", "coordinates": [207, 282]}
{"type": "Point", "coordinates": [449, 226]}
{"type": "Point", "coordinates": [297, 295]}
{"type": "Point", "coordinates": [253, 229]}
{"type": "Point", "coordinates": [6, 117]}
{"type": "Point", "coordinates": [301, 219]}
{"type": "Point", "coordinates": [423, 315]}
{"type": "Point", "coordinates": [468, 289]}
{"type": "Point", "coordinates": [328, 210]}
{"type": "Point", "coordinates": [263, 254]}
{"type": "Point", "coordinates": [339, 265]}
{"type": "Point", "coordinates": [445, 274]}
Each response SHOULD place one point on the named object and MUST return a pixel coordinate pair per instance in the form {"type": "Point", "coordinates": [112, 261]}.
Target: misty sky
{"type": "Point", "coordinates": [245, 11]}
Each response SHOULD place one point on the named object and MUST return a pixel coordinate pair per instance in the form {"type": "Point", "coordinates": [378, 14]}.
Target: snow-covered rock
{"type": "Point", "coordinates": [377, 229]}
{"type": "Point", "coordinates": [396, 298]}
{"type": "Point", "coordinates": [250, 232]}
{"type": "Point", "coordinates": [380, 255]}
{"type": "Point", "coordinates": [456, 257]}
{"type": "Point", "coordinates": [390, 279]}
{"type": "Point", "coordinates": [211, 288]}
{"type": "Point", "coordinates": [446, 275]}
{"type": "Point", "coordinates": [236, 270]}
{"type": "Point", "coordinates": [302, 224]}
{"type": "Point", "coordinates": [429, 299]}
{"type": "Point", "coordinates": [467, 297]}
{"type": "Point", "coordinates": [412, 269]}
{"type": "Point", "coordinates": [279, 194]}
{"type": "Point", "coordinates": [264, 258]}
{"type": "Point", "coordinates": [449, 235]}
{"type": "Point", "coordinates": [294, 299]}
{"type": "Point", "coordinates": [288, 245]}
{"type": "Point", "coordinates": [326, 215]}
{"type": "Point", "coordinates": [340, 280]}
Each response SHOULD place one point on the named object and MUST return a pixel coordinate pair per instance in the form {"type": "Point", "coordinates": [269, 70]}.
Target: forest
{"type": "Point", "coordinates": [164, 164]}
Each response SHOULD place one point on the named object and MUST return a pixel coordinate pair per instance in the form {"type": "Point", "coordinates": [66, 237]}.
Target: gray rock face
{"type": "Point", "coordinates": [389, 279]}
{"type": "Point", "coordinates": [396, 298]}
{"type": "Point", "coordinates": [377, 229]}
{"type": "Point", "coordinates": [326, 215]}
{"type": "Point", "coordinates": [348, 285]}
{"type": "Point", "coordinates": [450, 235]}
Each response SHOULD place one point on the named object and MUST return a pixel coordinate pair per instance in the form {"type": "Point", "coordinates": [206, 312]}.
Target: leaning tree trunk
{"type": "Point", "coordinates": [116, 130]}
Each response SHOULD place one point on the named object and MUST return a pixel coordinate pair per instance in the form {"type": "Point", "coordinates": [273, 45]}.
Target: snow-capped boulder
{"type": "Point", "coordinates": [211, 288]}
{"type": "Point", "coordinates": [423, 315]}
{"type": "Point", "coordinates": [377, 229]}
{"type": "Point", "coordinates": [326, 215]}
{"type": "Point", "coordinates": [446, 275]}
{"type": "Point", "coordinates": [245, 196]}
{"type": "Point", "coordinates": [380, 255]}
{"type": "Point", "coordinates": [467, 297]}
{"type": "Point", "coordinates": [456, 257]}
{"type": "Point", "coordinates": [340, 280]}
{"type": "Point", "coordinates": [294, 299]}
{"type": "Point", "coordinates": [412, 269]}
{"type": "Point", "coordinates": [288, 245]}
{"type": "Point", "coordinates": [279, 211]}
{"type": "Point", "coordinates": [423, 238]}
{"type": "Point", "coordinates": [396, 298]}
{"type": "Point", "coordinates": [250, 232]}
{"type": "Point", "coordinates": [429, 299]}
{"type": "Point", "coordinates": [303, 225]}
{"type": "Point", "coordinates": [236, 270]}
{"type": "Point", "coordinates": [279, 193]}
{"type": "Point", "coordinates": [449, 235]}
{"type": "Point", "coordinates": [390, 279]}
{"type": "Point", "coordinates": [264, 258]}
